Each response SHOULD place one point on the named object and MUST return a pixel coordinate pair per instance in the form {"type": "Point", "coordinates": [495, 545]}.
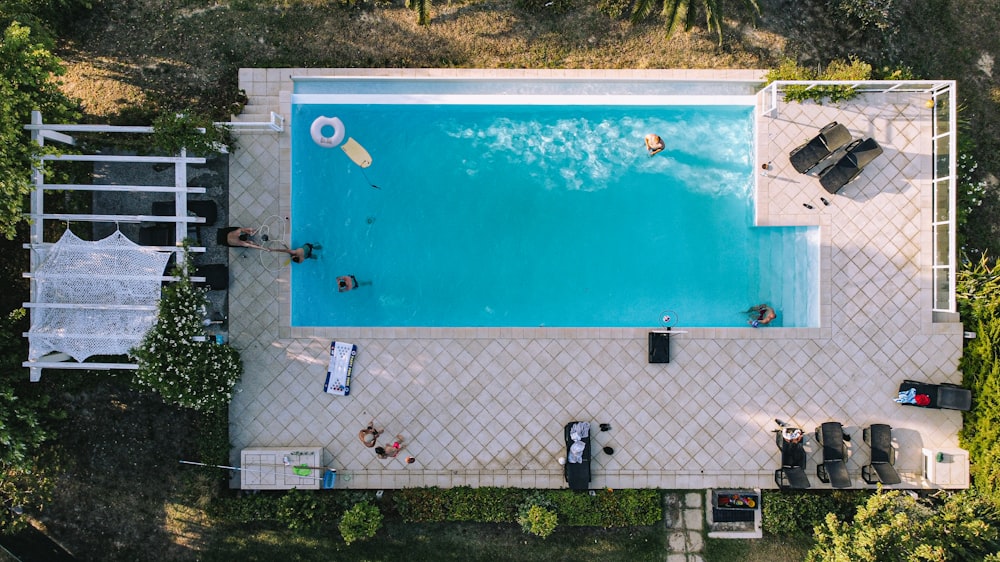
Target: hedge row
{"type": "Point", "coordinates": [606, 508]}
{"type": "Point", "coordinates": [789, 513]}
{"type": "Point", "coordinates": [296, 509]}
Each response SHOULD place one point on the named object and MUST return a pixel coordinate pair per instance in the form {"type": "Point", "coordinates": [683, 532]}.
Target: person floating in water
{"type": "Point", "coordinates": [654, 144]}
{"type": "Point", "coordinates": [760, 315]}
{"type": "Point", "coordinates": [303, 253]}
{"type": "Point", "coordinates": [346, 283]}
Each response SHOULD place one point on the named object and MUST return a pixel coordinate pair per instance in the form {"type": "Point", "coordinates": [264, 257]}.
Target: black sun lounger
{"type": "Point", "coordinates": [577, 474]}
{"type": "Point", "coordinates": [834, 468]}
{"type": "Point", "coordinates": [859, 154]}
{"type": "Point", "coordinates": [829, 139]}
{"type": "Point", "coordinates": [792, 473]}
{"type": "Point", "coordinates": [942, 396]}
{"type": "Point", "coordinates": [880, 470]}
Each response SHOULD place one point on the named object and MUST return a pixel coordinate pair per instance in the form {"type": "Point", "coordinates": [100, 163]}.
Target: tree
{"type": "Point", "coordinates": [24, 417]}
{"type": "Point", "coordinates": [176, 361]}
{"type": "Point", "coordinates": [977, 292]}
{"type": "Point", "coordinates": [680, 13]}
{"type": "Point", "coordinates": [423, 10]}
{"type": "Point", "coordinates": [893, 526]}
{"type": "Point", "coordinates": [28, 82]}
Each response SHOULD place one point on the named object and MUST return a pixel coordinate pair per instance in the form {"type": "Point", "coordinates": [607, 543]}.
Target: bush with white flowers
{"type": "Point", "coordinates": [194, 374]}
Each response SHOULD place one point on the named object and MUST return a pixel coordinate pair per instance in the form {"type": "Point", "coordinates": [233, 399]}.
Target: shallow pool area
{"type": "Point", "coordinates": [537, 215]}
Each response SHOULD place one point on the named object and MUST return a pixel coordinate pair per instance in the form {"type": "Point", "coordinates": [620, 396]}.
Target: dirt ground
{"type": "Point", "coordinates": [124, 496]}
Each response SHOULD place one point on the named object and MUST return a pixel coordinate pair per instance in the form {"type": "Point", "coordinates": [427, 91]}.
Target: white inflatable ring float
{"type": "Point", "coordinates": [316, 131]}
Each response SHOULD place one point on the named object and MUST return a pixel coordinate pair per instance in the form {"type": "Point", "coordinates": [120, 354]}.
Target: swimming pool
{"type": "Point", "coordinates": [479, 213]}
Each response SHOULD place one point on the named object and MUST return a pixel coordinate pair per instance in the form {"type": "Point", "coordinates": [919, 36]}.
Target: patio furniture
{"type": "Point", "coordinates": [941, 396]}
{"type": "Point", "coordinates": [833, 471]}
{"type": "Point", "coordinates": [205, 208]}
{"type": "Point", "coordinates": [880, 468]}
{"type": "Point", "coordinates": [858, 154]}
{"type": "Point", "coordinates": [659, 347]}
{"type": "Point", "coordinates": [340, 369]}
{"type": "Point", "coordinates": [216, 275]}
{"type": "Point", "coordinates": [792, 473]}
{"type": "Point", "coordinates": [829, 139]}
{"type": "Point", "coordinates": [577, 467]}
{"type": "Point", "coordinates": [157, 235]}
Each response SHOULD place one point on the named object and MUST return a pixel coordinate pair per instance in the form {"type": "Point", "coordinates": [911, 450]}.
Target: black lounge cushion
{"type": "Point", "coordinates": [157, 235]}
{"type": "Point", "coordinates": [206, 209]}
{"type": "Point", "coordinates": [878, 436]}
{"type": "Point", "coordinates": [577, 474]}
{"type": "Point", "coordinates": [792, 454]}
{"type": "Point", "coordinates": [880, 473]}
{"type": "Point", "coordinates": [794, 478]}
{"type": "Point", "coordinates": [858, 155]}
{"type": "Point", "coordinates": [835, 473]}
{"type": "Point", "coordinates": [880, 469]}
{"type": "Point", "coordinates": [944, 396]}
{"type": "Point", "coordinates": [792, 473]}
{"type": "Point", "coordinates": [830, 436]}
{"type": "Point", "coordinates": [216, 275]}
{"type": "Point", "coordinates": [830, 138]}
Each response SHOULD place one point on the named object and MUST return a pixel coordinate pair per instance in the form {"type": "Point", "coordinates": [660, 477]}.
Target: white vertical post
{"type": "Point", "coordinates": [37, 228]}
{"type": "Point", "coordinates": [180, 198]}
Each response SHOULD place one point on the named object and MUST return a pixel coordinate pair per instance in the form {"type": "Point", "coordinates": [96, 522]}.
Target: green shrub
{"type": "Point", "coordinates": [978, 296]}
{"type": "Point", "coordinates": [789, 513]}
{"type": "Point", "coordinates": [537, 7]}
{"type": "Point", "coordinates": [538, 521]}
{"type": "Point", "coordinates": [302, 510]}
{"type": "Point", "coordinates": [484, 505]}
{"type": "Point", "coordinates": [853, 69]}
{"type": "Point", "coordinates": [607, 508]}
{"type": "Point", "coordinates": [896, 526]}
{"type": "Point", "coordinates": [971, 189]}
{"type": "Point", "coordinates": [243, 509]}
{"type": "Point", "coordinates": [361, 522]}
{"type": "Point", "coordinates": [191, 130]}
{"type": "Point", "coordinates": [193, 374]}
{"type": "Point", "coordinates": [297, 509]}
{"type": "Point", "coordinates": [614, 9]}
{"type": "Point", "coordinates": [213, 437]}
{"type": "Point", "coordinates": [422, 505]}
{"type": "Point", "coordinates": [869, 15]}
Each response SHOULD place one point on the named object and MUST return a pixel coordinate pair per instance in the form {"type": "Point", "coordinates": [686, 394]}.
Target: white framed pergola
{"type": "Point", "coordinates": [67, 284]}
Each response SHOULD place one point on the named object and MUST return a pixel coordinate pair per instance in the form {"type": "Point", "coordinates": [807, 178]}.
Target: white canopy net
{"type": "Point", "coordinates": [96, 298]}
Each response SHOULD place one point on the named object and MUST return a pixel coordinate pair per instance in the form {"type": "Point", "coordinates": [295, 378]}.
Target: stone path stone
{"type": "Point", "coordinates": [684, 522]}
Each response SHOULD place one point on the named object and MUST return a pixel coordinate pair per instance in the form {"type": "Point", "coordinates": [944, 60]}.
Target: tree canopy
{"type": "Point", "coordinates": [894, 526]}
{"type": "Point", "coordinates": [28, 72]}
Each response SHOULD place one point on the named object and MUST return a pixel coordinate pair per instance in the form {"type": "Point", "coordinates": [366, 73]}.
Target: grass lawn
{"type": "Point", "coordinates": [439, 542]}
{"type": "Point", "coordinates": [767, 549]}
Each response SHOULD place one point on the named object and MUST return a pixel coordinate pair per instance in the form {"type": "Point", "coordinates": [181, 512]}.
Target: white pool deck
{"type": "Point", "coordinates": [486, 406]}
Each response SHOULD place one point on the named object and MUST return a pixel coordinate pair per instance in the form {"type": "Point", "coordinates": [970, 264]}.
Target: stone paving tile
{"type": "Point", "coordinates": [487, 406]}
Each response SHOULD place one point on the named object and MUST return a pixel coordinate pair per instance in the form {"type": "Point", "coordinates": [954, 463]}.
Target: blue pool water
{"type": "Point", "coordinates": [539, 215]}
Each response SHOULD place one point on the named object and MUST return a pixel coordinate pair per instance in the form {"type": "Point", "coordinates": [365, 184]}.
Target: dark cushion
{"type": "Point", "coordinates": [830, 138]}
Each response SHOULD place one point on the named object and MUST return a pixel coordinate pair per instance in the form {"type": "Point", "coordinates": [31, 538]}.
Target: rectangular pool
{"type": "Point", "coordinates": [477, 213]}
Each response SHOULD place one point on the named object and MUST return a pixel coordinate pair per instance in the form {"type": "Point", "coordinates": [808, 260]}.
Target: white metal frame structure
{"type": "Point", "coordinates": [945, 157]}
{"type": "Point", "coordinates": [40, 133]}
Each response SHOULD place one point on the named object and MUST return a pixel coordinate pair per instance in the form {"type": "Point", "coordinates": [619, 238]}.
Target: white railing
{"type": "Point", "coordinates": [943, 175]}
{"type": "Point", "coordinates": [276, 124]}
